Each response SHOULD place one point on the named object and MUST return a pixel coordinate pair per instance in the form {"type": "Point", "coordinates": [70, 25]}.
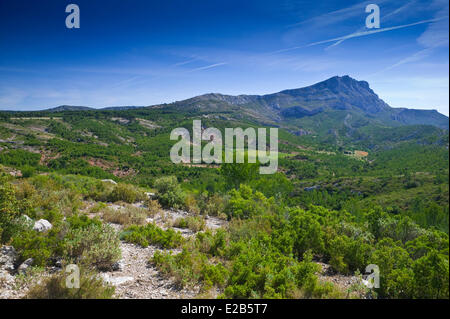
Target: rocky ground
{"type": "Point", "coordinates": [15, 280]}
{"type": "Point", "coordinates": [348, 283]}
{"type": "Point", "coordinates": [137, 279]}
{"type": "Point", "coordinates": [134, 277]}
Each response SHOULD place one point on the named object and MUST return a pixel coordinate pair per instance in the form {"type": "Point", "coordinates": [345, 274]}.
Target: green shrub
{"type": "Point", "coordinates": [169, 192]}
{"type": "Point", "coordinates": [180, 223]}
{"type": "Point", "coordinates": [245, 203]}
{"type": "Point", "coordinates": [93, 245]}
{"type": "Point", "coordinates": [39, 246]}
{"type": "Point", "coordinates": [97, 207]}
{"type": "Point", "coordinates": [347, 254]}
{"type": "Point", "coordinates": [78, 221]}
{"type": "Point", "coordinates": [307, 232]}
{"type": "Point", "coordinates": [431, 276]}
{"type": "Point", "coordinates": [11, 210]}
{"type": "Point", "coordinates": [126, 193]}
{"type": "Point", "coordinates": [152, 234]}
{"type": "Point", "coordinates": [213, 206]}
{"type": "Point", "coordinates": [190, 268]}
{"type": "Point", "coordinates": [28, 171]}
{"type": "Point", "coordinates": [211, 243]}
{"type": "Point", "coordinates": [194, 223]}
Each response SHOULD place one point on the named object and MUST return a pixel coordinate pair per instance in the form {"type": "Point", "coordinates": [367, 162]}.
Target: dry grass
{"type": "Point", "coordinates": [153, 207]}
{"type": "Point", "coordinates": [194, 223]}
{"type": "Point", "coordinates": [128, 215]}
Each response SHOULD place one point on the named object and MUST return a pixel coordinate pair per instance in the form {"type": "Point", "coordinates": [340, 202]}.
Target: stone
{"type": "Point", "coordinates": [24, 267]}
{"type": "Point", "coordinates": [118, 266]}
{"type": "Point", "coordinates": [8, 258]}
{"type": "Point", "coordinates": [42, 225]}
{"type": "Point", "coordinates": [309, 189]}
{"type": "Point", "coordinates": [150, 195]}
{"type": "Point", "coordinates": [58, 263]}
{"type": "Point", "coordinates": [116, 281]}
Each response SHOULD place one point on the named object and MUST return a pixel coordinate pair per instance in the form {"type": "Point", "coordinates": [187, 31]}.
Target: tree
{"type": "Point", "coordinates": [238, 173]}
{"type": "Point", "coordinates": [9, 210]}
{"type": "Point", "coordinates": [306, 231]}
{"type": "Point", "coordinates": [169, 192]}
{"type": "Point", "coordinates": [431, 276]}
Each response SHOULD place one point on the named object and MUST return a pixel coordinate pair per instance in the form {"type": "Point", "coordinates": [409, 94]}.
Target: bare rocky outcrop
{"type": "Point", "coordinates": [8, 258]}
{"type": "Point", "coordinates": [42, 225]}
{"type": "Point", "coordinates": [25, 266]}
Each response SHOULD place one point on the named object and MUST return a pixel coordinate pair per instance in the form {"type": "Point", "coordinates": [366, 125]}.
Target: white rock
{"type": "Point", "coordinates": [118, 266]}
{"type": "Point", "coordinates": [116, 281]}
{"type": "Point", "coordinates": [42, 225]}
{"type": "Point", "coordinates": [109, 181]}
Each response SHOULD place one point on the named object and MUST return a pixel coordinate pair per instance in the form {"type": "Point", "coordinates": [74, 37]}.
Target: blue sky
{"type": "Point", "coordinates": [142, 52]}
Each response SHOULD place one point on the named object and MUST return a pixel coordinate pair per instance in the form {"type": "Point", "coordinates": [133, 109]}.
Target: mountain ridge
{"type": "Point", "coordinates": [340, 102]}
{"type": "Point", "coordinates": [334, 95]}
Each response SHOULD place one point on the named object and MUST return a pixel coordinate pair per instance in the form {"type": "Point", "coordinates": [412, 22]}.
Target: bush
{"type": "Point", "coordinates": [97, 207]}
{"type": "Point", "coordinates": [245, 203]}
{"type": "Point", "coordinates": [41, 247]}
{"type": "Point", "coordinates": [190, 268]}
{"type": "Point", "coordinates": [169, 192]}
{"type": "Point", "coordinates": [93, 245]}
{"type": "Point", "coordinates": [152, 234]}
{"type": "Point", "coordinates": [54, 287]}
{"type": "Point", "coordinates": [10, 212]}
{"type": "Point", "coordinates": [214, 205]}
{"type": "Point", "coordinates": [28, 171]}
{"type": "Point", "coordinates": [190, 204]}
{"type": "Point", "coordinates": [126, 193]}
{"type": "Point", "coordinates": [78, 221]}
{"type": "Point", "coordinates": [153, 206]}
{"type": "Point", "coordinates": [26, 190]}
{"type": "Point", "coordinates": [195, 224]}
{"type": "Point", "coordinates": [307, 232]}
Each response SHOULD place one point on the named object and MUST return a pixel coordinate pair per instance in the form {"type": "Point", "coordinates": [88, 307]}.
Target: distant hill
{"type": "Point", "coordinates": [120, 108]}
{"type": "Point", "coordinates": [64, 108]}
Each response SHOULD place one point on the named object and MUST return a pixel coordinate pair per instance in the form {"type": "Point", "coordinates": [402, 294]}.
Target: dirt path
{"type": "Point", "coordinates": [139, 280]}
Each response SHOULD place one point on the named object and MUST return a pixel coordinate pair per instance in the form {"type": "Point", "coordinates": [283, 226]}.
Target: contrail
{"type": "Point", "coordinates": [361, 34]}
{"type": "Point", "coordinates": [208, 67]}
